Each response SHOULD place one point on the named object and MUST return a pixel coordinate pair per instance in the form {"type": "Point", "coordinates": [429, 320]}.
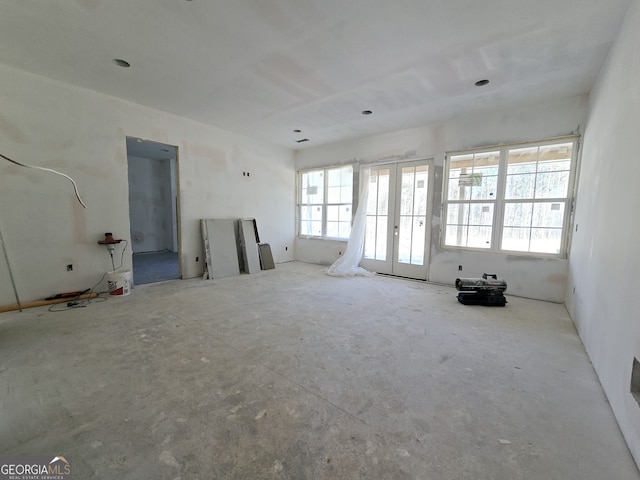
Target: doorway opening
{"type": "Point", "coordinates": [153, 210]}
{"type": "Point", "coordinates": [398, 227]}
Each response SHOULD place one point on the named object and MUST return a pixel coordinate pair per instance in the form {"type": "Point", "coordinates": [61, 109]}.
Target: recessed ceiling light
{"type": "Point", "coordinates": [297, 131]}
{"type": "Point", "coordinates": [121, 63]}
{"type": "Point", "coordinates": [482, 83]}
{"type": "Point", "coordinates": [367, 112]}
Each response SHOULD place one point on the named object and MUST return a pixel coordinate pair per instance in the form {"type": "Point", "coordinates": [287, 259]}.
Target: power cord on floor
{"type": "Point", "coordinates": [75, 302]}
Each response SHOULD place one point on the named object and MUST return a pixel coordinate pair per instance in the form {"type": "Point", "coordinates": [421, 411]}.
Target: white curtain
{"type": "Point", "coordinates": [348, 264]}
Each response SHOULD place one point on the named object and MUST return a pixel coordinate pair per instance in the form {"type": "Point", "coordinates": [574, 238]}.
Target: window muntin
{"type": "Point", "coordinates": [510, 199]}
{"type": "Point", "coordinates": [325, 207]}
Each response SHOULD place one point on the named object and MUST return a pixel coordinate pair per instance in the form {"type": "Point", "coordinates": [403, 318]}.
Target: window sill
{"type": "Point", "coordinates": [307, 237]}
{"type": "Point", "coordinates": [505, 253]}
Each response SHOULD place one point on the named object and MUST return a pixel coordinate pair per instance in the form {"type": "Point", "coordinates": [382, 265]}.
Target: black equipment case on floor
{"type": "Point", "coordinates": [487, 290]}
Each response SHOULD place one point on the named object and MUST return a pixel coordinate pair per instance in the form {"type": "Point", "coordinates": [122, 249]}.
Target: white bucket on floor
{"type": "Point", "coordinates": [119, 283]}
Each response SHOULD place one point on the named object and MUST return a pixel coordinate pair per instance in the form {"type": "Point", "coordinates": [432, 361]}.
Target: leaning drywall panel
{"type": "Point", "coordinates": [83, 133]}
{"type": "Point", "coordinates": [248, 230]}
{"type": "Point", "coordinates": [220, 245]}
{"type": "Point", "coordinates": [266, 258]}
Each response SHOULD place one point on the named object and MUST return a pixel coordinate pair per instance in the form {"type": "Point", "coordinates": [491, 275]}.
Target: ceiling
{"type": "Point", "coordinates": [265, 68]}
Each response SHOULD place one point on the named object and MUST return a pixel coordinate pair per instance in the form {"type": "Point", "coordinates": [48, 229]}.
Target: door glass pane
{"type": "Point", "coordinates": [383, 192]}
{"type": "Point", "coordinates": [406, 191]}
{"type": "Point", "coordinates": [372, 197]}
{"type": "Point", "coordinates": [403, 238]}
{"type": "Point", "coordinates": [413, 214]}
{"type": "Point", "coordinates": [375, 246]}
{"type": "Point", "coordinates": [422, 186]}
{"type": "Point", "coordinates": [381, 238]}
{"type": "Point", "coordinates": [370, 237]}
{"type": "Point", "coordinates": [418, 241]}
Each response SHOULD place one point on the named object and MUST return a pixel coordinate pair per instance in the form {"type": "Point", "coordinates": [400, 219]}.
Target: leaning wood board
{"type": "Point", "coordinates": [42, 303]}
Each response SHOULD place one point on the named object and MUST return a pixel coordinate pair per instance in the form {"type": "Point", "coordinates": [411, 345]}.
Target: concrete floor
{"type": "Point", "coordinates": [152, 267]}
{"type": "Point", "coordinates": [292, 374]}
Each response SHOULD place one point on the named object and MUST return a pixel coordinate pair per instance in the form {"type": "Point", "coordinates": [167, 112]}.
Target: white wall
{"type": "Point", "coordinates": [150, 204]}
{"type": "Point", "coordinates": [526, 276]}
{"type": "Point", "coordinates": [83, 134]}
{"type": "Point", "coordinates": [604, 261]}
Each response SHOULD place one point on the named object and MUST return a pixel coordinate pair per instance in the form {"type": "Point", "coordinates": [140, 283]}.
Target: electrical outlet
{"type": "Point", "coordinates": [69, 267]}
{"type": "Point", "coordinates": [197, 258]}
{"type": "Point", "coordinates": [459, 268]}
{"type": "Point", "coordinates": [286, 248]}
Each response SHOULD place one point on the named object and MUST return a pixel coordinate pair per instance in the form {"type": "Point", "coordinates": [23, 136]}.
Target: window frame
{"type": "Point", "coordinates": [325, 202]}
{"type": "Point", "coordinates": [500, 201]}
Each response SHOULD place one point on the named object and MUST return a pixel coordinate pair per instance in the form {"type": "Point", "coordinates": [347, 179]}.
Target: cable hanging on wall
{"type": "Point", "coordinates": [44, 169]}
{"type": "Point", "coordinates": [4, 248]}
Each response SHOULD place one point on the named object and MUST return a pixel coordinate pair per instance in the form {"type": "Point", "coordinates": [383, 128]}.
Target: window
{"type": "Point", "coordinates": [513, 198]}
{"type": "Point", "coordinates": [326, 197]}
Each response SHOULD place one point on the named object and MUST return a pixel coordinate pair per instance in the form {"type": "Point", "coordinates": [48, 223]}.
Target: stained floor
{"type": "Point", "coordinates": [292, 374]}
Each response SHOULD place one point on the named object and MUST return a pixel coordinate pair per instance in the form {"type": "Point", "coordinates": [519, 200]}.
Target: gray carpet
{"type": "Point", "coordinates": [155, 267]}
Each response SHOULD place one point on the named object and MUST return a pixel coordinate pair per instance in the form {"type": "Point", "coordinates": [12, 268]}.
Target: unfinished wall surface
{"type": "Point", "coordinates": [83, 133]}
{"type": "Point", "coordinates": [604, 262]}
{"type": "Point", "coordinates": [150, 204]}
{"type": "Point", "coordinates": [527, 276]}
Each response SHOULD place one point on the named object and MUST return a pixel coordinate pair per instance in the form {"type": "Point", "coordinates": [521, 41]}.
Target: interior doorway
{"type": "Point", "coordinates": [397, 234]}
{"type": "Point", "coordinates": [153, 210]}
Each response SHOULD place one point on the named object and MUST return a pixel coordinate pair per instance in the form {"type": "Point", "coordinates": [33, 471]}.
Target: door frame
{"type": "Point", "coordinates": [395, 183]}
{"type": "Point", "coordinates": [176, 203]}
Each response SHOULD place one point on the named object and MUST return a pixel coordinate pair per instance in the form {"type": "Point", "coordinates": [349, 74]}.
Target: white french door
{"type": "Point", "coordinates": [397, 234]}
